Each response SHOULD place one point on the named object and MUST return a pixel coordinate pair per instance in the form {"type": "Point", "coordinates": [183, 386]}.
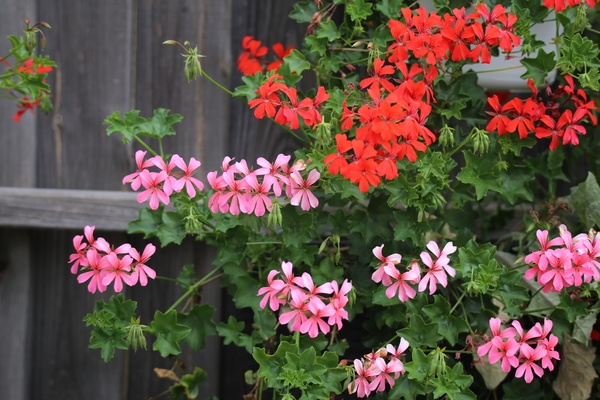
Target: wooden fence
{"type": "Point", "coordinates": [61, 172]}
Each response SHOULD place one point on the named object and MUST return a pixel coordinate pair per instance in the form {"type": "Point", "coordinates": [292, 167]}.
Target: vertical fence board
{"type": "Point", "coordinates": [17, 168]}
{"type": "Point", "coordinates": [91, 43]}
{"type": "Point", "coordinates": [160, 82]}
{"type": "Point", "coordinates": [63, 366]}
{"type": "Point", "coordinates": [268, 22]}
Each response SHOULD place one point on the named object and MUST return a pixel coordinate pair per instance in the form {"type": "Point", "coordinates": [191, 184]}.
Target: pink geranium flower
{"type": "Point", "coordinates": [141, 271]}
{"type": "Point", "coordinates": [134, 178]}
{"type": "Point", "coordinates": [301, 190]}
{"type": "Point", "coordinates": [153, 183]}
{"type": "Point", "coordinates": [187, 180]}
{"type": "Point", "coordinates": [95, 273]}
{"type": "Point", "coordinates": [438, 269]}
{"type": "Point", "coordinates": [401, 281]}
{"type": "Point", "coordinates": [118, 270]}
{"type": "Point", "coordinates": [380, 275]}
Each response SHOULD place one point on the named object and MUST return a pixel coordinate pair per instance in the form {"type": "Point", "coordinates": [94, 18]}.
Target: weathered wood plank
{"type": "Point", "coordinates": [17, 168]}
{"type": "Point", "coordinates": [91, 42]}
{"type": "Point", "coordinates": [67, 209]}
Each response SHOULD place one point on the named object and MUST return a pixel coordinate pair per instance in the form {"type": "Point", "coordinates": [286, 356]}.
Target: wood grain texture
{"type": "Point", "coordinates": [17, 169]}
{"type": "Point", "coordinates": [268, 22]}
{"type": "Point", "coordinates": [68, 209]}
{"type": "Point", "coordinates": [62, 366]}
{"type": "Point", "coordinates": [91, 42]}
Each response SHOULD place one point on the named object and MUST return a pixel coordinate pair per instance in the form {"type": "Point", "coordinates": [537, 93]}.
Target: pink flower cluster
{"type": "Point", "coordinates": [100, 263]}
{"type": "Point", "coordinates": [374, 370]}
{"type": "Point", "coordinates": [513, 348]}
{"type": "Point", "coordinates": [309, 307]}
{"type": "Point", "coordinates": [400, 283]}
{"type": "Point", "coordinates": [239, 189]}
{"type": "Point", "coordinates": [565, 261]}
{"type": "Point", "coordinates": [169, 178]}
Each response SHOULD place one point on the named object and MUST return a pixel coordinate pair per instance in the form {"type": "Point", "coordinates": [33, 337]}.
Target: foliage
{"type": "Point", "coordinates": [420, 236]}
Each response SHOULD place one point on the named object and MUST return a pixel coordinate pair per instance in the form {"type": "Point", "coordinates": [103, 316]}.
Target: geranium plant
{"type": "Point", "coordinates": [420, 243]}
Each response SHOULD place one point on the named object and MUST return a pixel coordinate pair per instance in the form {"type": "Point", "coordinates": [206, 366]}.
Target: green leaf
{"type": "Point", "coordinates": [518, 389]}
{"type": "Point", "coordinates": [358, 10]}
{"type": "Point", "coordinates": [584, 200]}
{"type": "Point", "coordinates": [418, 333]}
{"type": "Point", "coordinates": [296, 62]}
{"type": "Point", "coordinates": [199, 320]}
{"type": "Point", "coordinates": [449, 326]}
{"type": "Point", "coordinates": [406, 389]}
{"type": "Point", "coordinates": [132, 125]}
{"type": "Point", "coordinates": [252, 83]}
{"type": "Point", "coordinates": [328, 30]}
{"type": "Point", "coordinates": [108, 341]}
{"type": "Point", "coordinates": [111, 322]}
{"type": "Point", "coordinates": [172, 230]}
{"type": "Point", "coordinates": [418, 367]}
{"type": "Point", "coordinates": [578, 52]}
{"type": "Point", "coordinates": [160, 125]}
{"type": "Point", "coordinates": [390, 8]}
{"type": "Point", "coordinates": [516, 183]}
{"type": "Point", "coordinates": [539, 67]}
{"type": "Point", "coordinates": [303, 11]}
{"type": "Point", "coordinates": [270, 366]}
{"type": "Point", "coordinates": [480, 172]}
{"type": "Point", "coordinates": [147, 223]}
{"type": "Point", "coordinates": [188, 386]}
{"type": "Point", "coordinates": [231, 332]}
{"type": "Point", "coordinates": [169, 333]}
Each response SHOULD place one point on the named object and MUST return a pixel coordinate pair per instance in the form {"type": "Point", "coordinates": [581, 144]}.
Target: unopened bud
{"type": "Point", "coordinates": [135, 335]}
{"type": "Point", "coordinates": [481, 141]}
{"type": "Point", "coordinates": [275, 218]}
{"type": "Point", "coordinates": [446, 138]}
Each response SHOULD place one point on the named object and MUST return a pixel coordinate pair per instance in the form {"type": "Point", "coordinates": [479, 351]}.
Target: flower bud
{"type": "Point", "coordinates": [481, 141]}
{"type": "Point", "coordinates": [275, 218]}
{"type": "Point", "coordinates": [135, 335]}
{"type": "Point", "coordinates": [446, 138]}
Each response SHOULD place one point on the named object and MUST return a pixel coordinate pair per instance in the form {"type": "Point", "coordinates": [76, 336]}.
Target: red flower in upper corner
{"type": "Point", "coordinates": [29, 67]}
{"type": "Point", "coordinates": [251, 60]}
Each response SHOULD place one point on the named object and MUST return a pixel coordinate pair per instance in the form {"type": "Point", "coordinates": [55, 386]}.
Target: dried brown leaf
{"type": "Point", "coordinates": [576, 373]}
{"type": "Point", "coordinates": [166, 373]}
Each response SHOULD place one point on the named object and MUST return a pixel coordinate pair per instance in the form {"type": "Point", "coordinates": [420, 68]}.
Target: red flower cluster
{"type": "Point", "coordinates": [547, 118]}
{"type": "Point", "coordinates": [392, 120]}
{"type": "Point", "coordinates": [102, 264]}
{"type": "Point", "coordinates": [560, 5]}
{"type": "Point", "coordinates": [458, 36]}
{"type": "Point", "coordinates": [252, 59]}
{"type": "Point", "coordinates": [281, 103]}
{"type": "Point", "coordinates": [31, 68]}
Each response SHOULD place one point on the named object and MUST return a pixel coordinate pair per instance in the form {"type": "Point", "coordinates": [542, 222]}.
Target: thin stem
{"type": "Point", "coordinates": [458, 302]}
{"type": "Point", "coordinates": [191, 289]}
{"type": "Point", "coordinates": [144, 145]}
{"type": "Point", "coordinates": [257, 243]}
{"type": "Point", "coordinates": [217, 84]}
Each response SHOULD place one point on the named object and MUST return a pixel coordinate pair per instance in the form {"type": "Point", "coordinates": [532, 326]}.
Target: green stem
{"type": "Point", "coordinates": [191, 289]}
{"type": "Point", "coordinates": [257, 243]}
{"type": "Point", "coordinates": [217, 84]}
{"type": "Point", "coordinates": [461, 144]}
{"type": "Point", "coordinates": [144, 145]}
{"type": "Point", "coordinates": [458, 302]}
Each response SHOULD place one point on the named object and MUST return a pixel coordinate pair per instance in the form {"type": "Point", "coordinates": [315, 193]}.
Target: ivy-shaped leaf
{"type": "Point", "coordinates": [480, 172]}
{"type": "Point", "coordinates": [449, 326]}
{"type": "Point", "coordinates": [585, 201]}
{"type": "Point", "coordinates": [199, 320]}
{"type": "Point", "coordinates": [169, 333]}
{"type": "Point", "coordinates": [539, 67]}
